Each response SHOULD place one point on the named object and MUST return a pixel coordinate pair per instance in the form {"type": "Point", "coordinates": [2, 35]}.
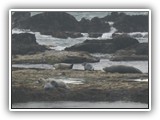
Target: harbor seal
{"type": "Point", "coordinates": [55, 84]}
{"type": "Point", "coordinates": [121, 69]}
{"type": "Point", "coordinates": [63, 66]}
{"type": "Point", "coordinates": [87, 66]}
{"type": "Point", "coordinates": [59, 84]}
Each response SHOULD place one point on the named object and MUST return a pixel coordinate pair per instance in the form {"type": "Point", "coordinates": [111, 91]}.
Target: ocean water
{"type": "Point", "coordinates": [61, 44]}
{"type": "Point", "coordinates": [73, 104]}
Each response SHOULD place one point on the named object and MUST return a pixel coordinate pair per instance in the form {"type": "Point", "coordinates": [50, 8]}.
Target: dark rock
{"type": "Point", "coordinates": [135, 23]}
{"type": "Point", "coordinates": [121, 69]}
{"type": "Point", "coordinates": [25, 43]}
{"type": "Point", "coordinates": [104, 46]}
{"type": "Point", "coordinates": [95, 35]}
{"type": "Point", "coordinates": [51, 21]}
{"type": "Point", "coordinates": [141, 48]}
{"type": "Point", "coordinates": [100, 46]}
{"type": "Point", "coordinates": [122, 42]}
{"type": "Point", "coordinates": [80, 59]}
{"type": "Point", "coordinates": [129, 57]}
{"type": "Point", "coordinates": [114, 16]}
{"type": "Point", "coordinates": [94, 25]}
{"type": "Point", "coordinates": [17, 17]}
{"type": "Point", "coordinates": [131, 53]}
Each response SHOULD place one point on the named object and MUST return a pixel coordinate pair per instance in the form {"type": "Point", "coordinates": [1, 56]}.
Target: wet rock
{"type": "Point", "coordinates": [25, 43]}
{"type": "Point", "coordinates": [121, 69]}
{"type": "Point", "coordinates": [135, 23]}
{"type": "Point", "coordinates": [104, 46]}
{"type": "Point", "coordinates": [94, 25]}
{"type": "Point", "coordinates": [141, 48]}
{"type": "Point", "coordinates": [129, 57]}
{"type": "Point", "coordinates": [134, 52]}
{"type": "Point", "coordinates": [95, 35]}
{"type": "Point", "coordinates": [114, 16]}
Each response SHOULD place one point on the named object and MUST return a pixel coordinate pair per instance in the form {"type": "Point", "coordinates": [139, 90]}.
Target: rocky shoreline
{"type": "Point", "coordinates": [98, 86]}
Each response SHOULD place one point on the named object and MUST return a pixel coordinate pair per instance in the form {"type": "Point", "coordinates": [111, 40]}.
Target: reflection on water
{"type": "Point", "coordinates": [72, 104]}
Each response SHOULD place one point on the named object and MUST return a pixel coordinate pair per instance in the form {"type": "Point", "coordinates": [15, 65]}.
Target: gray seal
{"type": "Point", "coordinates": [121, 69]}
{"type": "Point", "coordinates": [87, 66]}
{"type": "Point", "coordinates": [63, 66]}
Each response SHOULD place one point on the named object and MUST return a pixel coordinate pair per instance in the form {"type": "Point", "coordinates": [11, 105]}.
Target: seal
{"type": "Point", "coordinates": [121, 69]}
{"type": "Point", "coordinates": [63, 66]}
{"type": "Point", "coordinates": [48, 86]}
{"type": "Point", "coordinates": [87, 66]}
{"type": "Point", "coordinates": [59, 84]}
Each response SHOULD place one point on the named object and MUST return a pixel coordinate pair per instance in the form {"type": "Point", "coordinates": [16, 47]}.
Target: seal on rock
{"type": "Point", "coordinates": [87, 66]}
{"type": "Point", "coordinates": [63, 66]}
{"type": "Point", "coordinates": [55, 84]}
{"type": "Point", "coordinates": [121, 69]}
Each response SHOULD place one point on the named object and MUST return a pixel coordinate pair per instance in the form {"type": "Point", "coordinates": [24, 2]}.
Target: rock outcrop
{"type": "Point", "coordinates": [104, 46]}
{"type": "Point", "coordinates": [52, 57]}
{"type": "Point", "coordinates": [128, 23]}
{"type": "Point", "coordinates": [18, 17]}
{"type": "Point", "coordinates": [94, 25]}
{"type": "Point", "coordinates": [25, 43]}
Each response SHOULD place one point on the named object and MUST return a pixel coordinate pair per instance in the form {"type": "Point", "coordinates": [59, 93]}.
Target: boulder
{"type": "Point", "coordinates": [50, 22]}
{"type": "Point", "coordinates": [135, 23]}
{"type": "Point", "coordinates": [25, 43]}
{"type": "Point", "coordinates": [121, 69]}
{"type": "Point", "coordinates": [18, 17]}
{"type": "Point", "coordinates": [94, 25]}
{"type": "Point", "coordinates": [114, 16]}
{"type": "Point", "coordinates": [135, 52]}
{"type": "Point", "coordinates": [141, 48]}
{"type": "Point", "coordinates": [104, 46]}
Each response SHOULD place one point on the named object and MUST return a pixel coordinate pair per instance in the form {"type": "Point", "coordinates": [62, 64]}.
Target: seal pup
{"type": "Point", "coordinates": [87, 66]}
{"type": "Point", "coordinates": [63, 66]}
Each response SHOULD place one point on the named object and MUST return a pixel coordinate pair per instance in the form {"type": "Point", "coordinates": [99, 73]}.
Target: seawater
{"type": "Point", "coordinates": [73, 104]}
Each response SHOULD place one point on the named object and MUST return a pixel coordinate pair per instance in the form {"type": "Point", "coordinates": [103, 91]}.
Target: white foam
{"type": "Point", "coordinates": [109, 34]}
